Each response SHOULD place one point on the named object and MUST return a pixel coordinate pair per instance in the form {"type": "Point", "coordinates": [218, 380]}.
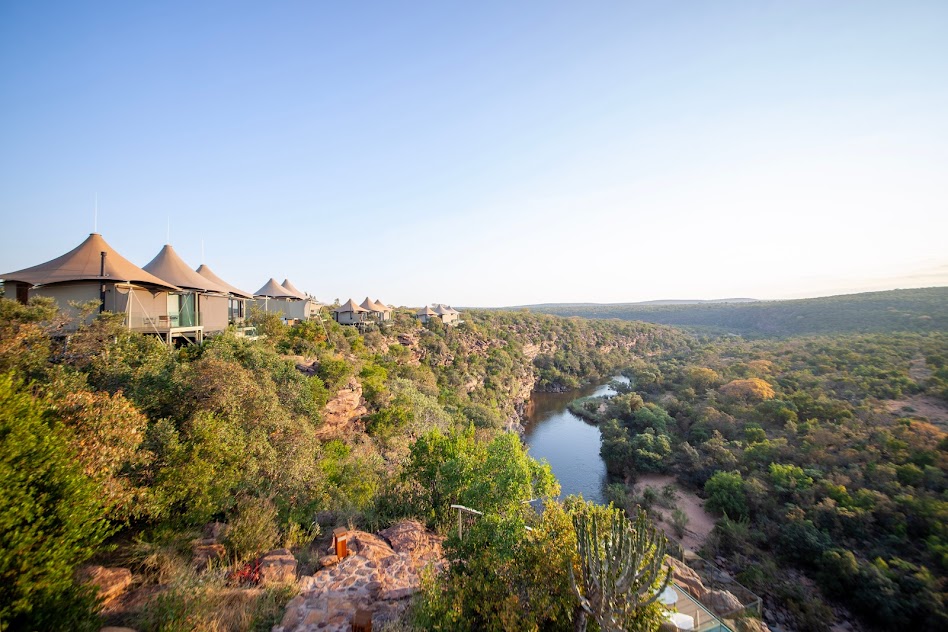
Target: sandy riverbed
{"type": "Point", "coordinates": [700, 522]}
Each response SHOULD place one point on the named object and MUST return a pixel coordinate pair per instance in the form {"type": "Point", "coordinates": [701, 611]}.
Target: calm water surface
{"type": "Point", "coordinates": [570, 444]}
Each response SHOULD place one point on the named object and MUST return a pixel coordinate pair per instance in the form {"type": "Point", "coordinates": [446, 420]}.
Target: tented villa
{"type": "Point", "coordinates": [195, 304]}
{"type": "Point", "coordinates": [286, 299]}
{"type": "Point", "coordinates": [192, 312]}
{"type": "Point", "coordinates": [95, 271]}
{"type": "Point", "coordinates": [379, 311]}
{"type": "Point", "coordinates": [351, 314]}
{"type": "Point", "coordinates": [236, 299]}
{"type": "Point", "coordinates": [447, 314]}
{"type": "Point", "coordinates": [307, 307]}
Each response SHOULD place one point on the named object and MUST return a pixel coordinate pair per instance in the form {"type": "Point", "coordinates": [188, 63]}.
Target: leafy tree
{"type": "Point", "coordinates": [200, 467]}
{"type": "Point", "coordinates": [789, 478]}
{"type": "Point", "coordinates": [490, 477]}
{"type": "Point", "coordinates": [752, 390]}
{"type": "Point", "coordinates": [726, 494]}
{"type": "Point", "coordinates": [504, 577]}
{"type": "Point", "coordinates": [373, 379]}
{"type": "Point", "coordinates": [51, 519]}
{"type": "Point", "coordinates": [25, 347]}
{"type": "Point", "coordinates": [702, 378]}
{"type": "Point", "coordinates": [105, 432]}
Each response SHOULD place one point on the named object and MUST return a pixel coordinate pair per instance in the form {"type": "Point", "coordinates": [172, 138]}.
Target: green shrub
{"type": "Point", "coordinates": [726, 494]}
{"type": "Point", "coordinates": [51, 520]}
{"type": "Point", "coordinates": [253, 528]}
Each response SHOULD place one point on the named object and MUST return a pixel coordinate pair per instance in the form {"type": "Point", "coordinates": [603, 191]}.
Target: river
{"type": "Point", "coordinates": [568, 443]}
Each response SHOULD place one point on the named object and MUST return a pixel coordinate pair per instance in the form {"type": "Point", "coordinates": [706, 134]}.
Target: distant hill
{"type": "Point", "coordinates": [668, 301]}
{"type": "Point", "coordinates": [917, 310]}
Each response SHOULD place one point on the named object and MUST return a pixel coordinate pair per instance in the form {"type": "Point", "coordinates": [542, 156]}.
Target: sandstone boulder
{"type": "Point", "coordinates": [205, 552]}
{"type": "Point", "coordinates": [369, 546]}
{"type": "Point", "coordinates": [328, 560]}
{"type": "Point", "coordinates": [379, 574]}
{"type": "Point", "coordinates": [688, 579]}
{"type": "Point", "coordinates": [724, 602]}
{"type": "Point", "coordinates": [342, 413]}
{"type": "Point", "coordinates": [747, 624]}
{"type": "Point", "coordinates": [277, 567]}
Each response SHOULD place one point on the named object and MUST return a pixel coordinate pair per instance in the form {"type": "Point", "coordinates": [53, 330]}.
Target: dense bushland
{"type": "Point", "coordinates": [791, 442]}
{"type": "Point", "coordinates": [133, 446]}
{"type": "Point", "coordinates": [919, 310]}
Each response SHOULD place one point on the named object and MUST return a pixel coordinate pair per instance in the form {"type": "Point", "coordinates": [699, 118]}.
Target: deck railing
{"type": "Point", "coordinates": [161, 322]}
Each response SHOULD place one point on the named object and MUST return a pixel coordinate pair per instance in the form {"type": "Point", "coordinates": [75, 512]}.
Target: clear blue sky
{"type": "Point", "coordinates": [486, 153]}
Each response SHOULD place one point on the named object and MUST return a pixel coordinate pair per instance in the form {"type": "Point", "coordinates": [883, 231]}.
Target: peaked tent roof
{"type": "Point", "coordinates": [443, 309]}
{"type": "Point", "coordinates": [426, 311]}
{"type": "Point", "coordinates": [349, 306]}
{"type": "Point", "coordinates": [168, 265]}
{"type": "Point", "coordinates": [289, 287]}
{"type": "Point", "coordinates": [84, 263]}
{"type": "Point", "coordinates": [272, 289]}
{"type": "Point", "coordinates": [207, 273]}
{"type": "Point", "coordinates": [370, 305]}
{"type": "Point", "coordinates": [385, 308]}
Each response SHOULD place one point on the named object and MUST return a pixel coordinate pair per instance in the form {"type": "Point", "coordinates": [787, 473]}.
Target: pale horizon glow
{"type": "Point", "coordinates": [489, 154]}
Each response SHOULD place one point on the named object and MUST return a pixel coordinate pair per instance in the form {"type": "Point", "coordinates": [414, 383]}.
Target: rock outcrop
{"type": "Point", "coordinates": [208, 549]}
{"type": "Point", "coordinates": [342, 413]}
{"type": "Point", "coordinates": [277, 567]}
{"type": "Point", "coordinates": [378, 575]}
{"type": "Point", "coordinates": [724, 603]}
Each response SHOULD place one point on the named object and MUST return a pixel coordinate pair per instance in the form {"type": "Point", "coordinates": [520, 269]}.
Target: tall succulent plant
{"type": "Point", "coordinates": [621, 568]}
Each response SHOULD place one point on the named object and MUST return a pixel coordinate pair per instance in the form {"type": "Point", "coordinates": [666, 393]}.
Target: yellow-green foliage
{"type": "Point", "coordinates": [52, 518]}
{"type": "Point", "coordinates": [750, 390]}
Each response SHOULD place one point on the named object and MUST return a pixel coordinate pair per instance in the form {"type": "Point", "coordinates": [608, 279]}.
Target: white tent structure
{"type": "Point", "coordinates": [94, 270]}
{"type": "Point", "coordinates": [350, 314]}
{"type": "Point", "coordinates": [201, 304]}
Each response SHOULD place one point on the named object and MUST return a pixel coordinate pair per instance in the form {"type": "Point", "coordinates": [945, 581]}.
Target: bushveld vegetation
{"type": "Point", "coordinates": [792, 446]}
{"type": "Point", "coordinates": [786, 438]}
{"type": "Point", "coordinates": [115, 449]}
{"type": "Point", "coordinates": [919, 310]}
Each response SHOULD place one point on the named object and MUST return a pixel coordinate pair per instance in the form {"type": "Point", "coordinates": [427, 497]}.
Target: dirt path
{"type": "Point", "coordinates": [920, 405]}
{"type": "Point", "coordinates": [700, 522]}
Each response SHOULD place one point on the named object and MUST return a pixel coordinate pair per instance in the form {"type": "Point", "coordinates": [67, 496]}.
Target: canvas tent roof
{"type": "Point", "coordinates": [445, 309]}
{"type": "Point", "coordinates": [426, 311]}
{"type": "Point", "coordinates": [84, 263]}
{"type": "Point", "coordinates": [349, 306]}
{"type": "Point", "coordinates": [272, 289]}
{"type": "Point", "coordinates": [207, 273]}
{"type": "Point", "coordinates": [383, 306]}
{"type": "Point", "coordinates": [289, 287]}
{"type": "Point", "coordinates": [373, 306]}
{"type": "Point", "coordinates": [171, 267]}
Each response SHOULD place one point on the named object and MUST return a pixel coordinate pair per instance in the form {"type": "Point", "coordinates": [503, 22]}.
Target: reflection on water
{"type": "Point", "coordinates": [569, 444]}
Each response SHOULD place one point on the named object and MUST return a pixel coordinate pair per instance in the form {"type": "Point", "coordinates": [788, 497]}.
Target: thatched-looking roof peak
{"type": "Point", "coordinates": [168, 265]}
{"type": "Point", "coordinates": [272, 289]}
{"type": "Point", "coordinates": [85, 263]}
{"type": "Point", "coordinates": [207, 273]}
